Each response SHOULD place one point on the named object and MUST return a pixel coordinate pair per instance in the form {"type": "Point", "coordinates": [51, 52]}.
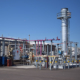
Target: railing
{"type": "Point", "coordinates": [68, 14]}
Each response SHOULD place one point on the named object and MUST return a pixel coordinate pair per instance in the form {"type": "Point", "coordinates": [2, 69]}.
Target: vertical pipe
{"type": "Point", "coordinates": [68, 63]}
{"type": "Point", "coordinates": [45, 63]}
{"type": "Point", "coordinates": [51, 47]}
{"type": "Point", "coordinates": [36, 62]}
{"type": "Point", "coordinates": [4, 47]}
{"type": "Point", "coordinates": [15, 44]}
{"type": "Point", "coordinates": [47, 49]}
{"type": "Point", "coordinates": [29, 43]}
{"type": "Point", "coordinates": [23, 53]}
{"type": "Point", "coordinates": [40, 64]}
{"type": "Point", "coordinates": [50, 62]}
{"type": "Point", "coordinates": [75, 51]}
{"type": "Point", "coordinates": [41, 48]}
{"type": "Point", "coordinates": [67, 48]}
{"type": "Point", "coordinates": [57, 48]}
{"type": "Point", "coordinates": [24, 47]}
{"type": "Point", "coordinates": [56, 63]}
{"type": "Point", "coordinates": [18, 44]}
{"type": "Point", "coordinates": [3, 50]}
{"type": "Point", "coordinates": [76, 54]}
{"type": "Point", "coordinates": [44, 48]}
{"type": "Point", "coordinates": [64, 62]}
{"type": "Point", "coordinates": [70, 52]}
{"type": "Point", "coordinates": [35, 47]}
{"type": "Point", "coordinates": [38, 47]}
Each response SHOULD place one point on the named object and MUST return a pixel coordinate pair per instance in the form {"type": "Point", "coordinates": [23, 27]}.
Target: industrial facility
{"type": "Point", "coordinates": [42, 54]}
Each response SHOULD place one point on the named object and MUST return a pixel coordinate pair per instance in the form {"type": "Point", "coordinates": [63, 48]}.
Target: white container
{"type": "Point", "coordinates": [16, 54]}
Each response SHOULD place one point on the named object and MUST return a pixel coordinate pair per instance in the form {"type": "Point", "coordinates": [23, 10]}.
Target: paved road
{"type": "Point", "coordinates": [36, 74]}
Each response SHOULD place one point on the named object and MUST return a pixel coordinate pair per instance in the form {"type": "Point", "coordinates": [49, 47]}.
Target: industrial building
{"type": "Point", "coordinates": [41, 54]}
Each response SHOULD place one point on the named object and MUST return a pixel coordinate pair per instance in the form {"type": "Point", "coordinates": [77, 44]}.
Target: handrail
{"type": "Point", "coordinates": [61, 14]}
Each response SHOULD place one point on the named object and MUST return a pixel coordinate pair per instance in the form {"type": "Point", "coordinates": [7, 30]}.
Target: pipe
{"type": "Point", "coordinates": [38, 46]}
{"type": "Point", "coordinates": [70, 52]}
{"type": "Point", "coordinates": [23, 52]}
{"type": "Point", "coordinates": [47, 49]}
{"type": "Point", "coordinates": [3, 43]}
{"type": "Point", "coordinates": [35, 47]}
{"type": "Point", "coordinates": [51, 47]}
{"type": "Point", "coordinates": [29, 40]}
{"type": "Point", "coordinates": [15, 44]}
{"type": "Point", "coordinates": [75, 51]}
{"type": "Point", "coordinates": [41, 48]}
{"type": "Point", "coordinates": [57, 48]}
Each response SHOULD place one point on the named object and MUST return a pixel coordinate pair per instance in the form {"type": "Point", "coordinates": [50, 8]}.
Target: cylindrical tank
{"type": "Point", "coordinates": [64, 15]}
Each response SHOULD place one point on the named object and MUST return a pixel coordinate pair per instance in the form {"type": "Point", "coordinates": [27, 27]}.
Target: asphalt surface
{"type": "Point", "coordinates": [36, 74]}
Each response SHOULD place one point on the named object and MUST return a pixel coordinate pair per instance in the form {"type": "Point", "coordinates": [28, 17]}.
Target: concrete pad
{"type": "Point", "coordinates": [24, 66]}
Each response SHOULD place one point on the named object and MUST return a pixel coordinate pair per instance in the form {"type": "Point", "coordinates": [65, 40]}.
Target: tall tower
{"type": "Point", "coordinates": [64, 15]}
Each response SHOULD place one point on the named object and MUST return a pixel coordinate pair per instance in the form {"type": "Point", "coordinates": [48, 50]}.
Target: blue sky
{"type": "Point", "coordinates": [19, 18]}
